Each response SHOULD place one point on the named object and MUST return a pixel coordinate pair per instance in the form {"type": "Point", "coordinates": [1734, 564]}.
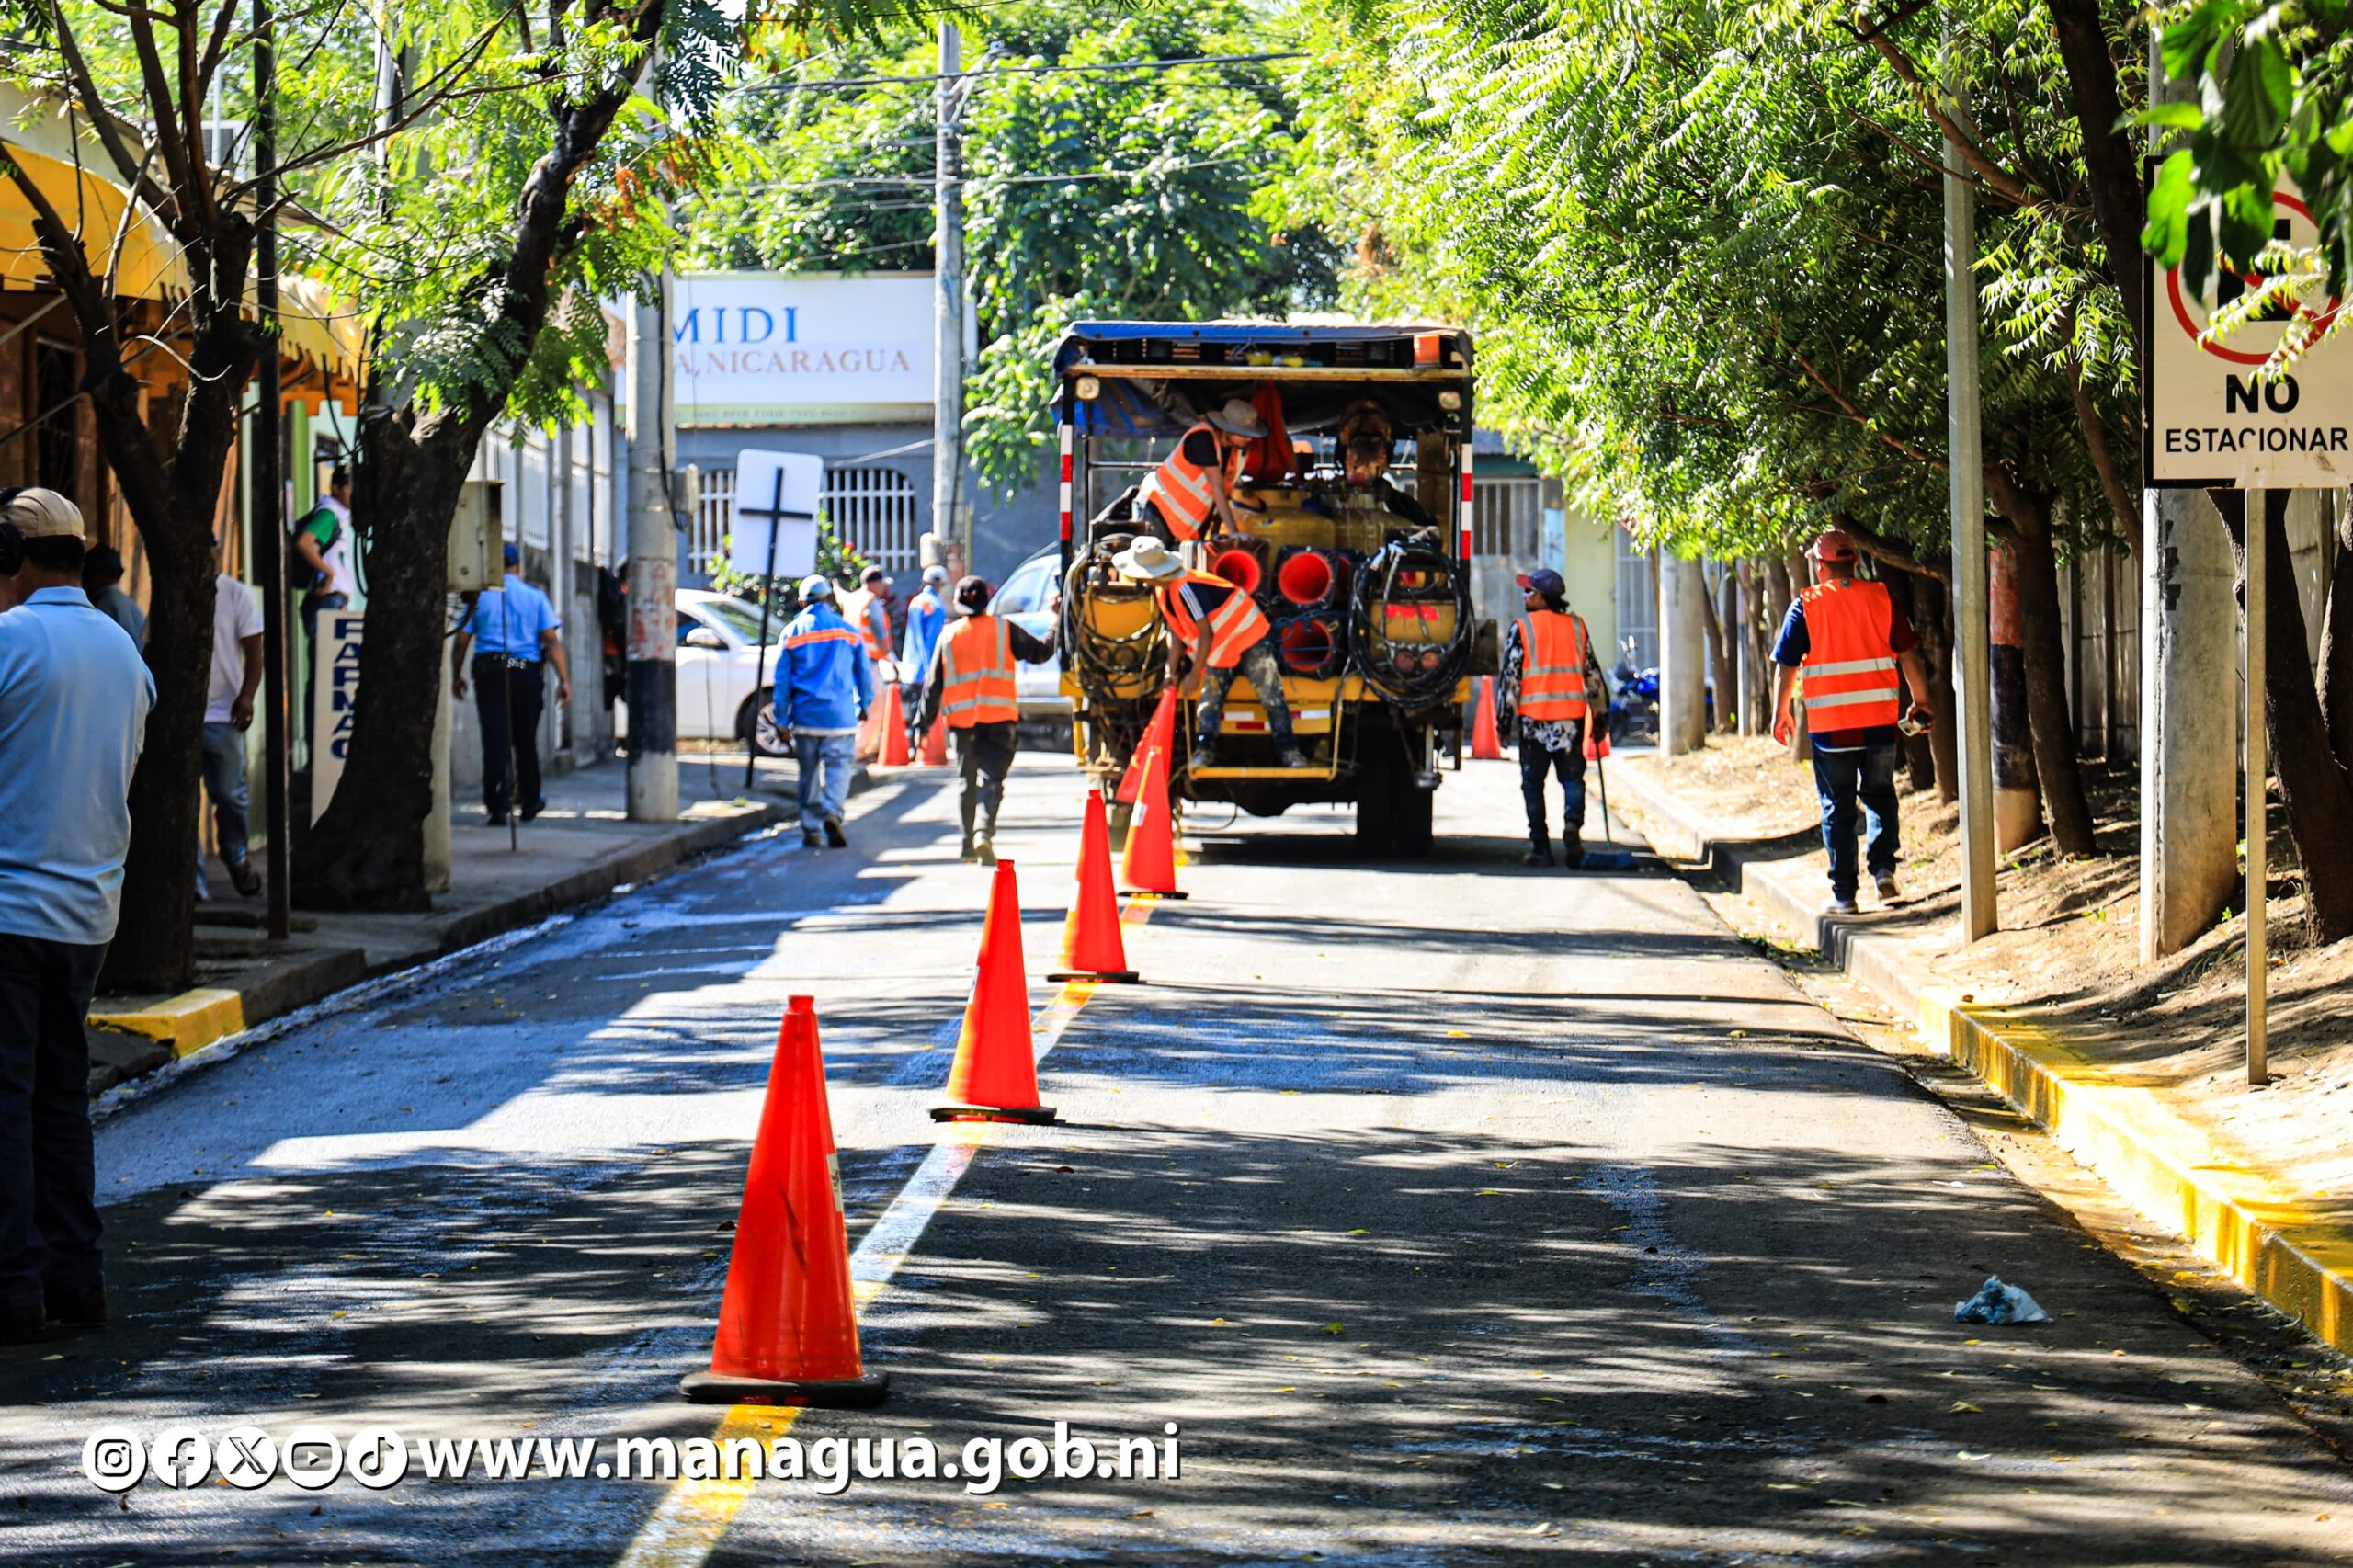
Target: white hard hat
{"type": "Point", "coordinates": [817, 587]}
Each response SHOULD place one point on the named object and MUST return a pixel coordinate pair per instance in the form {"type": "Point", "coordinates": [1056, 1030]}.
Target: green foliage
{"type": "Point", "coordinates": [1090, 193]}
{"type": "Point", "coordinates": [835, 559]}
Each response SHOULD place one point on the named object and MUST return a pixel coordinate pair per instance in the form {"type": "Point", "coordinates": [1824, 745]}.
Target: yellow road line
{"type": "Point", "coordinates": [693, 1516]}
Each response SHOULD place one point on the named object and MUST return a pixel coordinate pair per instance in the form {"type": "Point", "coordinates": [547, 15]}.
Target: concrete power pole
{"type": "Point", "coordinates": [652, 572]}
{"type": "Point", "coordinates": [948, 309]}
{"type": "Point", "coordinates": [1972, 679]}
{"type": "Point", "coordinates": [2188, 737]}
{"type": "Point", "coordinates": [1682, 655]}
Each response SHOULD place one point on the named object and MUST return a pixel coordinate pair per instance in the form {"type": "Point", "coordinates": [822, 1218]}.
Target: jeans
{"type": "Point", "coordinates": [48, 1211]}
{"type": "Point", "coordinates": [1841, 778]}
{"type": "Point", "coordinates": [826, 763]}
{"type": "Point", "coordinates": [1536, 765]}
{"type": "Point", "coordinates": [1265, 679]}
{"type": "Point", "coordinates": [984, 755]}
{"type": "Point", "coordinates": [507, 692]}
{"type": "Point", "coordinates": [224, 780]}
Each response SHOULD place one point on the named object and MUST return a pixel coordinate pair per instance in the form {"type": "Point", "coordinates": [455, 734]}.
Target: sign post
{"type": "Point", "coordinates": [795, 482]}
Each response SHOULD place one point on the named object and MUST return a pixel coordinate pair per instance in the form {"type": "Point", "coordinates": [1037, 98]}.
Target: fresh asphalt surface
{"type": "Point", "coordinates": [1456, 1212]}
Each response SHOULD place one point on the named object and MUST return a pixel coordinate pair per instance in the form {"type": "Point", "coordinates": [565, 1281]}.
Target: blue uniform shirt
{"type": "Point", "coordinates": [824, 680]}
{"type": "Point", "coordinates": [509, 621]}
{"type": "Point", "coordinates": [74, 700]}
{"type": "Point", "coordinates": [925, 615]}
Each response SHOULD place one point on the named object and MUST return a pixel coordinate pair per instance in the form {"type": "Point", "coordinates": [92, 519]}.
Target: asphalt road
{"type": "Point", "coordinates": [1454, 1212]}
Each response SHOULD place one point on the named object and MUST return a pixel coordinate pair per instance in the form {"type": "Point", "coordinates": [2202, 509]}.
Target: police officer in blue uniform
{"type": "Point", "coordinates": [514, 633]}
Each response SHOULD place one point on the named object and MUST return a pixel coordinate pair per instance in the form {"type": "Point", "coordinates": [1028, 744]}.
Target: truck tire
{"type": "Point", "coordinates": [1416, 809]}
{"type": "Point", "coordinates": [1378, 785]}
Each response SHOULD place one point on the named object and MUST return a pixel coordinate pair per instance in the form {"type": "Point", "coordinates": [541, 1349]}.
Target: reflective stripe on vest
{"type": "Point", "coordinates": [821, 634]}
{"type": "Point", "coordinates": [976, 685]}
{"type": "Point", "coordinates": [1551, 665]}
{"type": "Point", "coordinates": [877, 644]}
{"type": "Point", "coordinates": [1850, 675]}
{"type": "Point", "coordinates": [1183, 490]}
{"type": "Point", "coordinates": [1234, 625]}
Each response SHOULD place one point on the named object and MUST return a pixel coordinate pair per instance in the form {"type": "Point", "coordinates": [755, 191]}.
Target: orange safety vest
{"type": "Point", "coordinates": [1235, 626]}
{"type": "Point", "coordinates": [1551, 665]}
{"type": "Point", "coordinates": [876, 643]}
{"type": "Point", "coordinates": [1849, 669]}
{"type": "Point", "coordinates": [1185, 492]}
{"type": "Point", "coordinates": [977, 680]}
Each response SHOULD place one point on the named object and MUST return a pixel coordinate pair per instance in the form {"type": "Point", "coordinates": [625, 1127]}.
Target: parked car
{"type": "Point", "coordinates": [1031, 598]}
{"type": "Point", "coordinates": [723, 683]}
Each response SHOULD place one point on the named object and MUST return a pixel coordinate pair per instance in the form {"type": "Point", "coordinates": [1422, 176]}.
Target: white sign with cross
{"type": "Point", "coordinates": [774, 530]}
{"type": "Point", "coordinates": [2211, 419]}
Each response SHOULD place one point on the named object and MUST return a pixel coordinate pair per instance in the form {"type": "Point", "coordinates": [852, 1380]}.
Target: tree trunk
{"type": "Point", "coordinates": [2044, 644]}
{"type": "Point", "coordinates": [1720, 664]}
{"type": "Point", "coordinates": [1935, 626]}
{"type": "Point", "coordinates": [2337, 639]}
{"type": "Point", "coordinates": [2314, 785]}
{"type": "Point", "coordinates": [1910, 591]}
{"type": "Point", "coordinates": [2114, 169]}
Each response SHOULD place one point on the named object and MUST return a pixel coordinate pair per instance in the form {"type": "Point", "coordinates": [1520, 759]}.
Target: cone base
{"type": "Point", "coordinates": [1097, 976]}
{"type": "Point", "coordinates": [1147, 893]}
{"type": "Point", "coordinates": [838, 1393]}
{"type": "Point", "coordinates": [1034, 1116]}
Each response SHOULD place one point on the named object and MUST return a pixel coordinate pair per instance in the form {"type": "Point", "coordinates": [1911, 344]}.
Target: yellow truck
{"type": "Point", "coordinates": [1366, 584]}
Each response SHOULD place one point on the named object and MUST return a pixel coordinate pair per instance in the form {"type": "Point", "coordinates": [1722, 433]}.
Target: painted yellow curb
{"type": "Point", "coordinates": [2166, 1166]}
{"type": "Point", "coordinates": [187, 1022]}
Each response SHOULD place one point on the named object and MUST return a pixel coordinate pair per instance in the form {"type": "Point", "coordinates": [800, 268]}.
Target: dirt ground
{"type": "Point", "coordinates": [2068, 955]}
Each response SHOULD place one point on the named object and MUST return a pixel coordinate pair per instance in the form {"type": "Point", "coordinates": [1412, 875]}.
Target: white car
{"type": "Point", "coordinates": [723, 683]}
{"type": "Point", "coordinates": [1031, 598]}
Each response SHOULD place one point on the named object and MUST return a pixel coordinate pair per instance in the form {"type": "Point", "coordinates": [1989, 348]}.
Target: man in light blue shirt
{"type": "Point", "coordinates": [74, 700]}
{"type": "Point", "coordinates": [515, 630]}
{"type": "Point", "coordinates": [927, 619]}
{"type": "Point", "coordinates": [824, 684]}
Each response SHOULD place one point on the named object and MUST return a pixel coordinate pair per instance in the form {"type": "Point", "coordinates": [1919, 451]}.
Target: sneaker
{"type": "Point", "coordinates": [1572, 854]}
{"type": "Point", "coordinates": [834, 833]}
{"type": "Point", "coordinates": [810, 838]}
{"type": "Point", "coordinates": [1291, 757]}
{"type": "Point", "coordinates": [533, 810]}
{"type": "Point", "coordinates": [1840, 906]}
{"type": "Point", "coordinates": [983, 850]}
{"type": "Point", "coordinates": [82, 1306]}
{"type": "Point", "coordinates": [1888, 891]}
{"type": "Point", "coordinates": [971, 854]}
{"type": "Point", "coordinates": [1538, 855]}
{"type": "Point", "coordinates": [245, 879]}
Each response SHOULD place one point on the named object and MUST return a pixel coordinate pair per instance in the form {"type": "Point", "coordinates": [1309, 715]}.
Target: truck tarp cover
{"type": "Point", "coordinates": [1167, 408]}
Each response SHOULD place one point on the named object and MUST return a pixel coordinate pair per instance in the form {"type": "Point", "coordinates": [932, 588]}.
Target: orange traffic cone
{"type": "Point", "coordinates": [1093, 947]}
{"type": "Point", "coordinates": [787, 1331]}
{"type": "Point", "coordinates": [894, 728]}
{"type": "Point", "coordinates": [1149, 867]}
{"type": "Point", "coordinates": [1485, 744]}
{"type": "Point", "coordinates": [1161, 732]}
{"type": "Point", "coordinates": [935, 744]}
{"type": "Point", "coordinates": [996, 1075]}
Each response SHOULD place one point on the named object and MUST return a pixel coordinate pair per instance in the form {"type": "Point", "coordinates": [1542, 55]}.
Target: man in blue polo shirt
{"type": "Point", "coordinates": [73, 701]}
{"type": "Point", "coordinates": [515, 632]}
{"type": "Point", "coordinates": [824, 684]}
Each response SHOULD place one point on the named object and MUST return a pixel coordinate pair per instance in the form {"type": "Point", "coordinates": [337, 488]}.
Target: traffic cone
{"type": "Point", "coordinates": [1161, 732]}
{"type": "Point", "coordinates": [788, 1333]}
{"type": "Point", "coordinates": [1485, 744]}
{"type": "Point", "coordinates": [894, 728]}
{"type": "Point", "coordinates": [1093, 947]}
{"type": "Point", "coordinates": [996, 1075]}
{"type": "Point", "coordinates": [1149, 867]}
{"type": "Point", "coordinates": [935, 744]}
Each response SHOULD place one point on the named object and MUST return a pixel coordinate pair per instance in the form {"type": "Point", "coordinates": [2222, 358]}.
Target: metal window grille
{"type": "Point", "coordinates": [1504, 514]}
{"type": "Point", "coordinates": [871, 509]}
{"type": "Point", "coordinates": [1637, 601]}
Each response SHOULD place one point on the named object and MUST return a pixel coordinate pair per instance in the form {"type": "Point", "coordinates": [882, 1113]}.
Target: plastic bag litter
{"type": "Point", "coordinates": [1998, 1303]}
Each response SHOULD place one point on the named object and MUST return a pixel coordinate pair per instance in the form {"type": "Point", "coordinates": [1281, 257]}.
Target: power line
{"type": "Point", "coordinates": [833, 84]}
{"type": "Point", "coordinates": [776, 186]}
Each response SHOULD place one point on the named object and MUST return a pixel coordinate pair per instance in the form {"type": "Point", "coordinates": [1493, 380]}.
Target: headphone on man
{"type": "Point", "coordinates": [11, 543]}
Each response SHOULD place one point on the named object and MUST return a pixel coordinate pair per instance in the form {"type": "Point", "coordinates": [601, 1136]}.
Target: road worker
{"type": "Point", "coordinates": [1848, 639]}
{"type": "Point", "coordinates": [825, 685]}
{"type": "Point", "coordinates": [1553, 684]}
{"type": "Point", "coordinates": [971, 688]}
{"type": "Point", "coordinates": [867, 610]}
{"type": "Point", "coordinates": [1193, 487]}
{"type": "Point", "coordinates": [927, 619]}
{"type": "Point", "coordinates": [1215, 624]}
{"type": "Point", "coordinates": [1365, 440]}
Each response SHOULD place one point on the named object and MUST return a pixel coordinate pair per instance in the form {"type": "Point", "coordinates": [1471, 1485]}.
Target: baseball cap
{"type": "Point", "coordinates": [871, 574]}
{"type": "Point", "coordinates": [514, 556]}
{"type": "Point", "coordinates": [817, 587]}
{"type": "Point", "coordinates": [1545, 581]}
{"type": "Point", "coordinates": [972, 595]}
{"type": "Point", "coordinates": [1833, 544]}
{"type": "Point", "coordinates": [935, 575]}
{"type": "Point", "coordinates": [42, 514]}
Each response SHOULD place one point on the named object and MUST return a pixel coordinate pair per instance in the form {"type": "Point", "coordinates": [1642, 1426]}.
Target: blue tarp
{"type": "Point", "coordinates": [1135, 407]}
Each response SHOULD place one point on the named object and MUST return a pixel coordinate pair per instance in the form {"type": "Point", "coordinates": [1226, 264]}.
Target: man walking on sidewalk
{"type": "Point", "coordinates": [1551, 679]}
{"type": "Point", "coordinates": [73, 701]}
{"type": "Point", "coordinates": [516, 627]}
{"type": "Point", "coordinates": [228, 714]}
{"type": "Point", "coordinates": [926, 621]}
{"type": "Point", "coordinates": [1848, 638]}
{"type": "Point", "coordinates": [972, 689]}
{"type": "Point", "coordinates": [824, 684]}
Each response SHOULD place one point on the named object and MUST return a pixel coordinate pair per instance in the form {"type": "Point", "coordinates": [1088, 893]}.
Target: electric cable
{"type": "Point", "coordinates": [1375, 592]}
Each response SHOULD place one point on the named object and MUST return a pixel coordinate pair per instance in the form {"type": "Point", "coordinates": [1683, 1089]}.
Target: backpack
{"type": "Point", "coordinates": [301, 577]}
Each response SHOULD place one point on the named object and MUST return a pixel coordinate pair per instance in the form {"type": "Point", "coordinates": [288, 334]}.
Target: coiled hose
{"type": "Point", "coordinates": [1107, 668]}
{"type": "Point", "coordinates": [1373, 591]}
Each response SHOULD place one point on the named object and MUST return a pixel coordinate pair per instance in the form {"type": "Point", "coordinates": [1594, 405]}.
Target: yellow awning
{"type": "Point", "coordinates": [149, 261]}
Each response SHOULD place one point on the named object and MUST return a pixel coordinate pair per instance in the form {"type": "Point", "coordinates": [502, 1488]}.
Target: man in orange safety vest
{"type": "Point", "coordinates": [1193, 486]}
{"type": "Point", "coordinates": [970, 687]}
{"type": "Point", "coordinates": [1548, 689]}
{"type": "Point", "coordinates": [1214, 623]}
{"type": "Point", "coordinates": [1848, 639]}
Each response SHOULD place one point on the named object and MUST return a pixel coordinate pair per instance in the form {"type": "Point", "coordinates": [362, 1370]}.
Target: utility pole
{"type": "Point", "coordinates": [948, 308]}
{"type": "Point", "coordinates": [2188, 741]}
{"type": "Point", "coordinates": [653, 570]}
{"type": "Point", "coordinates": [1972, 665]}
{"type": "Point", "coordinates": [266, 484]}
{"type": "Point", "coordinates": [1682, 655]}
{"type": "Point", "coordinates": [2258, 532]}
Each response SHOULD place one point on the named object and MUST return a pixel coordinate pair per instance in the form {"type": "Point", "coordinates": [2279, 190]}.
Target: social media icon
{"type": "Point", "coordinates": [248, 1457]}
{"type": "Point", "coordinates": [180, 1456]}
{"type": "Point", "coordinates": [311, 1458]}
{"type": "Point", "coordinates": [376, 1458]}
{"type": "Point", "coordinates": [114, 1459]}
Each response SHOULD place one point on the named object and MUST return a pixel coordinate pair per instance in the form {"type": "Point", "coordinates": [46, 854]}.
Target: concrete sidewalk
{"type": "Point", "coordinates": [579, 850]}
{"type": "Point", "coordinates": [2189, 1177]}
